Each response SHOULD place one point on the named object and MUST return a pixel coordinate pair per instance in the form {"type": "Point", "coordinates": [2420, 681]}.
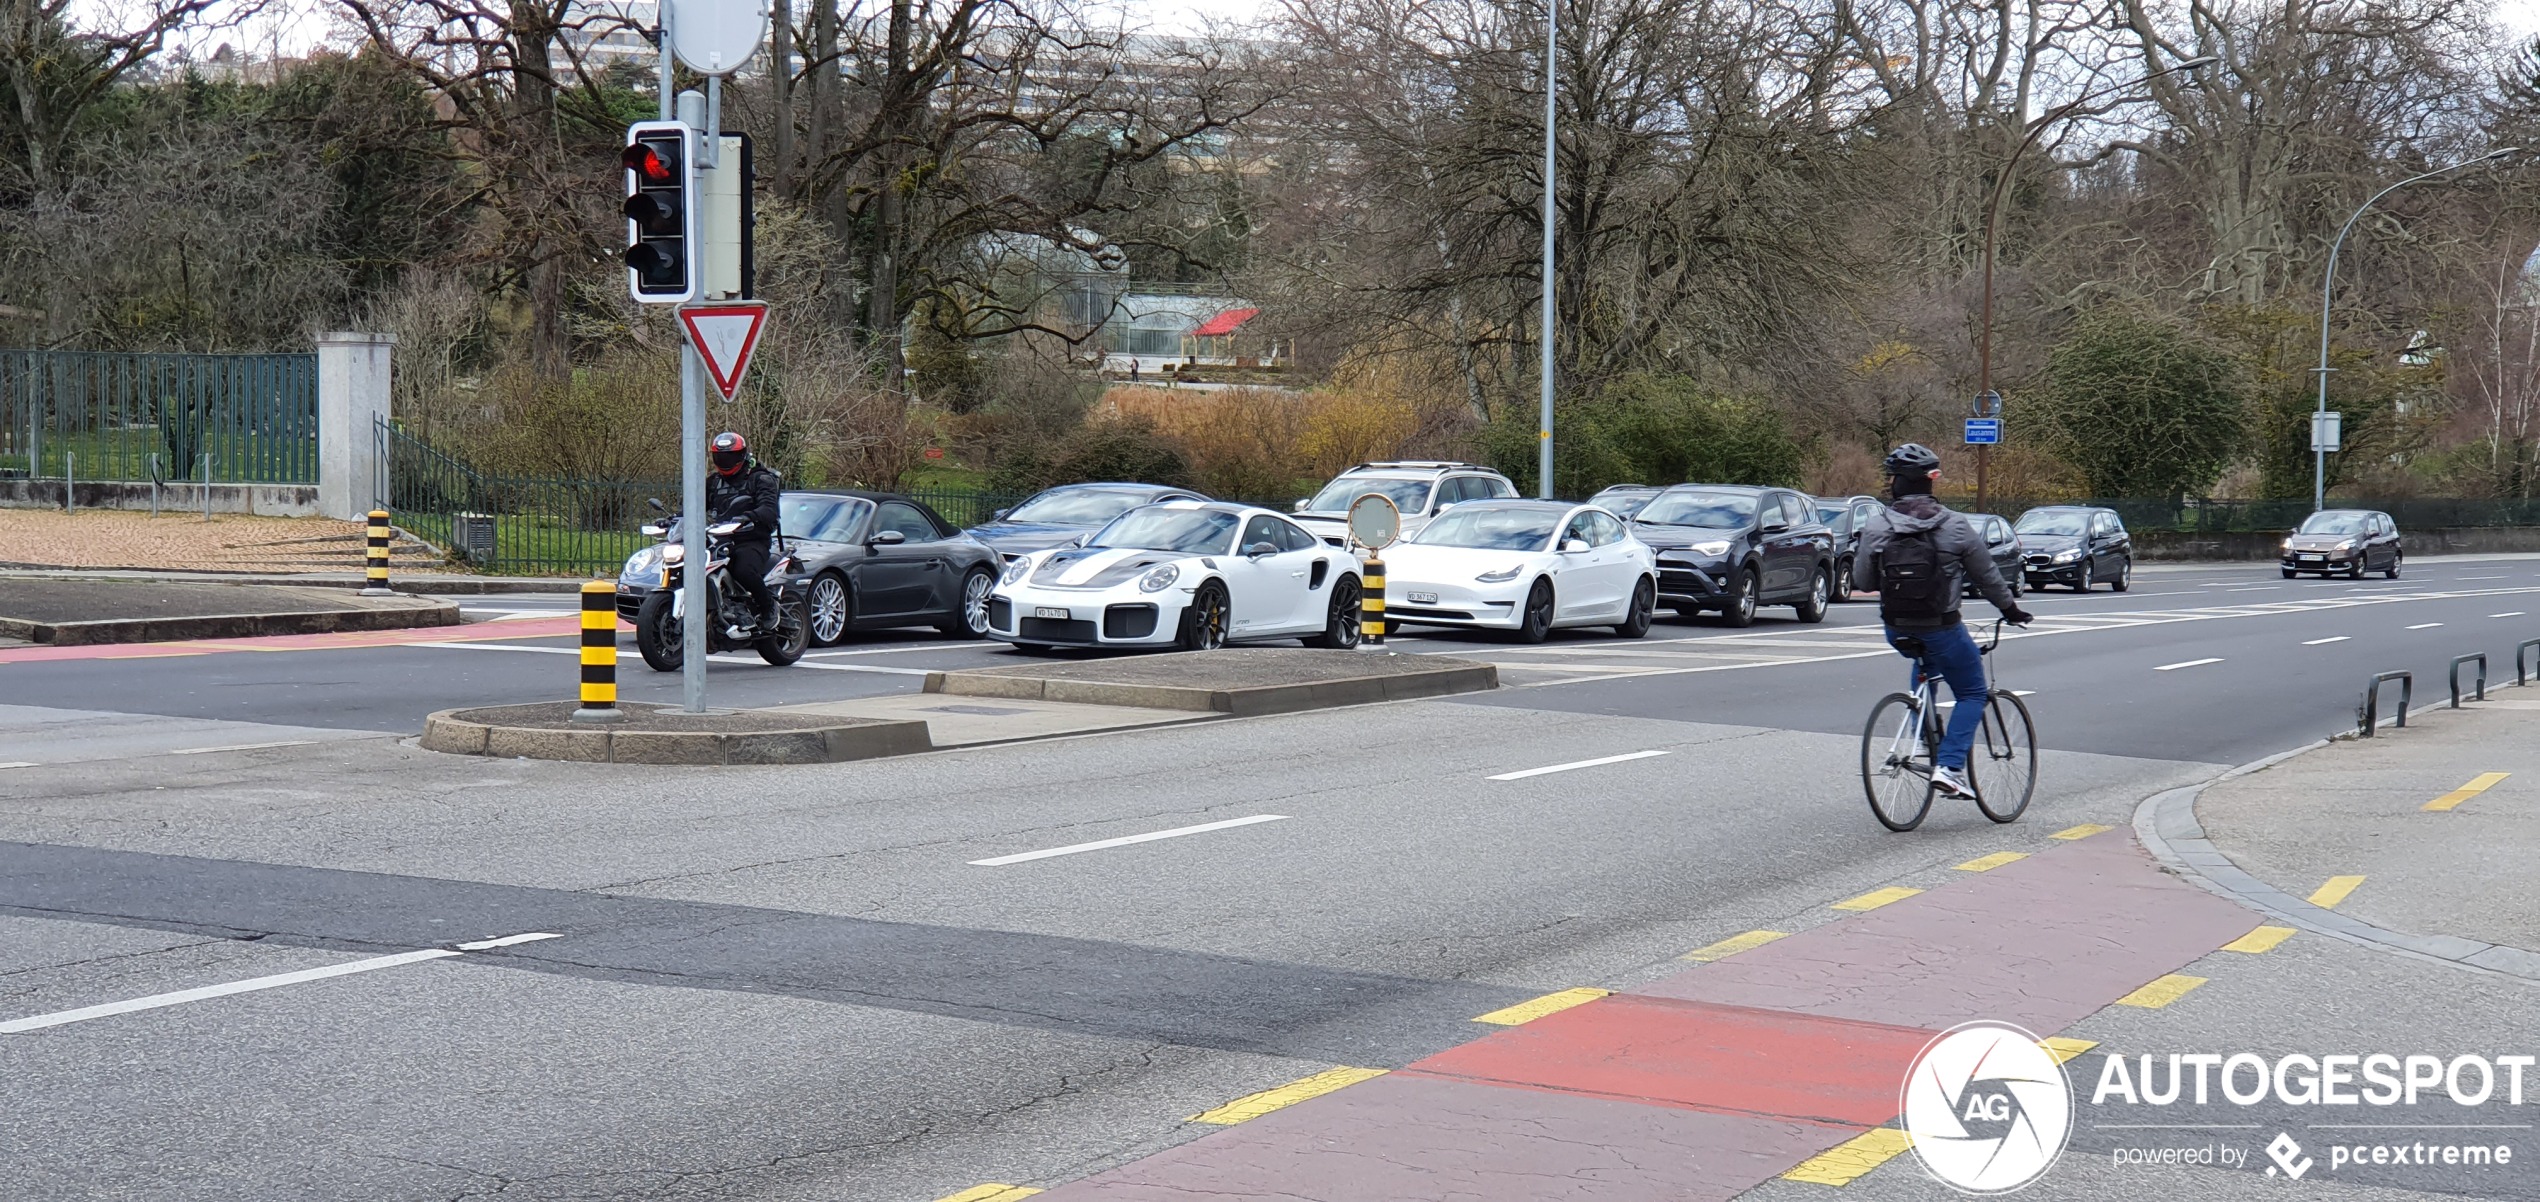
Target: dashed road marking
{"type": "Point", "coordinates": [1991, 862]}
{"type": "Point", "coordinates": [2511, 613]}
{"type": "Point", "coordinates": [1125, 840]}
{"type": "Point", "coordinates": [2189, 663]}
{"type": "Point", "coordinates": [2084, 831]}
{"type": "Point", "coordinates": [2064, 1049]}
{"type": "Point", "coordinates": [1550, 1003]}
{"type": "Point", "coordinates": [2334, 638]}
{"type": "Point", "coordinates": [2425, 626]}
{"type": "Point", "coordinates": [2162, 991]}
{"type": "Point", "coordinates": [2328, 895]}
{"type": "Point", "coordinates": [1846, 1162]}
{"type": "Point", "coordinates": [994, 1191]}
{"type": "Point", "coordinates": [1598, 762]}
{"type": "Point", "coordinates": [2263, 939]}
{"type": "Point", "coordinates": [1733, 945]}
{"type": "Point", "coordinates": [2478, 784]}
{"type": "Point", "coordinates": [485, 945]}
{"type": "Point", "coordinates": [1875, 898]}
{"type": "Point", "coordinates": [1253, 1106]}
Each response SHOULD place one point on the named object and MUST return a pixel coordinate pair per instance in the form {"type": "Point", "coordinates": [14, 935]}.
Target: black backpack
{"type": "Point", "coordinates": [1914, 583]}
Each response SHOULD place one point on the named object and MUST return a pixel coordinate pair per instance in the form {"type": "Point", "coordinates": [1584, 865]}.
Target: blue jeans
{"type": "Point", "coordinates": [1953, 651]}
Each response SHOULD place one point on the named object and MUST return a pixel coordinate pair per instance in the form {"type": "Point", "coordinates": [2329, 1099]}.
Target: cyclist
{"type": "Point", "coordinates": [1919, 554]}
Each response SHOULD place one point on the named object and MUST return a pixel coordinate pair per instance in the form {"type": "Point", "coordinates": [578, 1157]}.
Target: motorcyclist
{"type": "Point", "coordinates": [742, 489]}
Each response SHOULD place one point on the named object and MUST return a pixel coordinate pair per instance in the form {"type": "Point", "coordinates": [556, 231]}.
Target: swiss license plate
{"type": "Point", "coordinates": [1049, 611]}
{"type": "Point", "coordinates": [1421, 598]}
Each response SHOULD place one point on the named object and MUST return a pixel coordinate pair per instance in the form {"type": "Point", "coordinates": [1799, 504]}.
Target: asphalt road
{"type": "Point", "coordinates": [799, 983]}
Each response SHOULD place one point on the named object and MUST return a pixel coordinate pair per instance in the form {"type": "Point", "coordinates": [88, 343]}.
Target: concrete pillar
{"type": "Point", "coordinates": [352, 400]}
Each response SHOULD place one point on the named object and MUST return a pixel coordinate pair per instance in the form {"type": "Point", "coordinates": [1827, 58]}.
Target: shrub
{"type": "Point", "coordinates": [2140, 408]}
{"type": "Point", "coordinates": [1648, 429]}
{"type": "Point", "coordinates": [1120, 448]}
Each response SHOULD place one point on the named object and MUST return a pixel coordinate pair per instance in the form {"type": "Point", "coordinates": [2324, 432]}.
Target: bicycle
{"type": "Point", "coordinates": [1896, 771]}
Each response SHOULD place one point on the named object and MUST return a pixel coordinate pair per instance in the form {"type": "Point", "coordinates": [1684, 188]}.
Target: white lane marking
{"type": "Point", "coordinates": [507, 941]}
{"type": "Point", "coordinates": [1597, 762]}
{"type": "Point", "coordinates": [1126, 840]}
{"type": "Point", "coordinates": [21, 764]}
{"type": "Point", "coordinates": [2425, 626]}
{"type": "Point", "coordinates": [2334, 638]}
{"type": "Point", "coordinates": [240, 747]}
{"type": "Point", "coordinates": [731, 658]}
{"type": "Point", "coordinates": [2511, 613]}
{"type": "Point", "coordinates": [2477, 577]}
{"type": "Point", "coordinates": [2257, 588]}
{"type": "Point", "coordinates": [893, 650]}
{"type": "Point", "coordinates": [622, 652]}
{"type": "Point", "coordinates": [250, 985]}
{"type": "Point", "coordinates": [1951, 703]}
{"type": "Point", "coordinates": [2191, 663]}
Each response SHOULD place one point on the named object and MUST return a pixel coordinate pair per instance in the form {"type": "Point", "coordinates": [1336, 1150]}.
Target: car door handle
{"type": "Point", "coordinates": [1296, 575]}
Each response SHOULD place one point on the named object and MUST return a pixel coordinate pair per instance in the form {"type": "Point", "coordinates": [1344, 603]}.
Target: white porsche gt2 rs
{"type": "Point", "coordinates": [1189, 574]}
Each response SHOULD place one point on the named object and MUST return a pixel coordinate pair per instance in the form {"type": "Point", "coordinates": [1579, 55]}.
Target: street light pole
{"type": "Point", "coordinates": [1543, 432]}
{"type": "Point", "coordinates": [1993, 235]}
{"type": "Point", "coordinates": [2328, 280]}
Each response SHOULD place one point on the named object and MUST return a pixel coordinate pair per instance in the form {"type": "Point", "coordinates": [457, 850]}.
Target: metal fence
{"type": "Point", "coordinates": [108, 416]}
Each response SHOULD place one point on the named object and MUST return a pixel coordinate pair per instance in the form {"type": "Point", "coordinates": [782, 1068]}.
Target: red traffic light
{"type": "Point", "coordinates": [649, 164]}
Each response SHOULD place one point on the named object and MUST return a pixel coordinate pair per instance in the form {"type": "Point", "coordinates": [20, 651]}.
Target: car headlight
{"type": "Point", "coordinates": [1715, 547]}
{"type": "Point", "coordinates": [2288, 544]}
{"type": "Point", "coordinates": [2346, 545]}
{"type": "Point", "coordinates": [1502, 576]}
{"type": "Point", "coordinates": [1160, 578]}
{"type": "Point", "coordinates": [1016, 569]}
{"type": "Point", "coordinates": [2068, 555]}
{"type": "Point", "coordinates": [643, 562]}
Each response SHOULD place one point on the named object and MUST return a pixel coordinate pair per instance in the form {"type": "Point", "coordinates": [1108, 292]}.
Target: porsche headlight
{"type": "Point", "coordinates": [2068, 555]}
{"type": "Point", "coordinates": [1017, 568]}
{"type": "Point", "coordinates": [1502, 576]}
{"type": "Point", "coordinates": [1715, 547]}
{"type": "Point", "coordinates": [643, 562]}
{"type": "Point", "coordinates": [1160, 578]}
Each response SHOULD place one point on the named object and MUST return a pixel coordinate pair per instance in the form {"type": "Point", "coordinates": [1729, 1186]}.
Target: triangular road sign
{"type": "Point", "coordinates": [724, 333]}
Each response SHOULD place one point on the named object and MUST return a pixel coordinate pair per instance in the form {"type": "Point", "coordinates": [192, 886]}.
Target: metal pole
{"type": "Point", "coordinates": [1551, 53]}
{"type": "Point", "coordinates": [692, 480]}
{"type": "Point", "coordinates": [2328, 281]}
{"type": "Point", "coordinates": [207, 486]}
{"type": "Point", "coordinates": [661, 49]}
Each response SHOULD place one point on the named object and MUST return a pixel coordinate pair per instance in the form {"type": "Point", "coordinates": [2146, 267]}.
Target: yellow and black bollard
{"type": "Point", "coordinates": [599, 654]}
{"type": "Point", "coordinates": [1371, 605]}
{"type": "Point", "coordinates": [375, 571]}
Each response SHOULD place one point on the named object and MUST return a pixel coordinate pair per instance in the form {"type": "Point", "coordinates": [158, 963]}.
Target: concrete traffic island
{"type": "Point", "coordinates": [74, 612]}
{"type": "Point", "coordinates": [660, 734]}
{"type": "Point", "coordinates": [1238, 682]}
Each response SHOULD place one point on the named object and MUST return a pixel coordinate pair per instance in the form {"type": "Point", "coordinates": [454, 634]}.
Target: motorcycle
{"type": "Point", "coordinates": [660, 621]}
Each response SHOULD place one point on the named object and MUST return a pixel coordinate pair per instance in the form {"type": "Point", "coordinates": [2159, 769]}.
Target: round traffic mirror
{"type": "Point", "coordinates": [1374, 521]}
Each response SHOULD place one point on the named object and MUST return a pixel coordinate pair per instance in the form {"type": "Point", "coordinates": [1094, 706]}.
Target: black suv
{"type": "Point", "coordinates": [2076, 546]}
{"type": "Point", "coordinates": [1734, 548]}
{"type": "Point", "coordinates": [1846, 517]}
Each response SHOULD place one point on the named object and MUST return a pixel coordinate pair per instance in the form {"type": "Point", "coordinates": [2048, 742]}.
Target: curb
{"type": "Point", "coordinates": [445, 731]}
{"type": "Point", "coordinates": [1247, 702]}
{"type": "Point", "coordinates": [229, 626]}
{"type": "Point", "coordinates": [2166, 825]}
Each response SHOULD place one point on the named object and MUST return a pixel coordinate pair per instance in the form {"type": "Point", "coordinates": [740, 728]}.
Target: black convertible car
{"type": "Point", "coordinates": [866, 561]}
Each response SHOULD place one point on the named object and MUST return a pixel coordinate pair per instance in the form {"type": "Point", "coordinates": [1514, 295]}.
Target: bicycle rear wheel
{"type": "Point", "coordinates": [2004, 768]}
{"type": "Point", "coordinates": [1896, 750]}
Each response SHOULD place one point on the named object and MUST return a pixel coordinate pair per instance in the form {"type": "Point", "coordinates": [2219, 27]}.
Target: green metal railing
{"type": "Point", "coordinates": [128, 417]}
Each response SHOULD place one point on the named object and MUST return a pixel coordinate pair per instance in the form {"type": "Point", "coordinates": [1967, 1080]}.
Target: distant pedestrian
{"type": "Point", "coordinates": [1133, 371]}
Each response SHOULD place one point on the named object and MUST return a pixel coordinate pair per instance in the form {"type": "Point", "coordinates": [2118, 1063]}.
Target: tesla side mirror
{"type": "Point", "coordinates": [1257, 550]}
{"type": "Point", "coordinates": [888, 538]}
{"type": "Point", "coordinates": [999, 515]}
{"type": "Point", "coordinates": [1573, 545]}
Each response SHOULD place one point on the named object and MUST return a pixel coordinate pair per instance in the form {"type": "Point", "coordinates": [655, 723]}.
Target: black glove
{"type": "Point", "coordinates": [2017, 616]}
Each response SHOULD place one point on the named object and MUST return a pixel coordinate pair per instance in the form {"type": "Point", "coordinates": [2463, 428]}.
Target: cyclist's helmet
{"type": "Point", "coordinates": [1912, 459]}
{"type": "Point", "coordinates": [731, 453]}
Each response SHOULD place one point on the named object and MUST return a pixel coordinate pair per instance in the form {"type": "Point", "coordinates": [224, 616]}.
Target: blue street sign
{"type": "Point", "coordinates": [1983, 431]}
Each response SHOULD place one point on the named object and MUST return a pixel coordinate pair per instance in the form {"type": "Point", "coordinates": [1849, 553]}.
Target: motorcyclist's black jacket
{"type": "Point", "coordinates": [748, 495]}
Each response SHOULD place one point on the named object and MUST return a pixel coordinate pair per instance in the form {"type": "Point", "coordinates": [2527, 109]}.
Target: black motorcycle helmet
{"type": "Point", "coordinates": [731, 453]}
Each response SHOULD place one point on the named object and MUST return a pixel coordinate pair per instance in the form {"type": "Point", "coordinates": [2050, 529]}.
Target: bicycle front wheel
{"type": "Point", "coordinates": [2004, 767]}
{"type": "Point", "coordinates": [1896, 750]}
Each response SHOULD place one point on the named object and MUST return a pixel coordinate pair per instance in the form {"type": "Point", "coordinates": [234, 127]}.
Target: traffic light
{"type": "Point", "coordinates": [661, 212]}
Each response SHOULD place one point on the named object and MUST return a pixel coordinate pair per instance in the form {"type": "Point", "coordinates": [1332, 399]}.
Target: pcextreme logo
{"type": "Point", "coordinates": [1987, 1109]}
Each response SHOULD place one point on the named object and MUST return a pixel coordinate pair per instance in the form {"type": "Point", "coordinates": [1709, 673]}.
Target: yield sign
{"type": "Point", "coordinates": [724, 333]}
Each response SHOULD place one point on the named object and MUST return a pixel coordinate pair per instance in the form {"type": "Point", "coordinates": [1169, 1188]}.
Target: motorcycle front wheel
{"type": "Point", "coordinates": [792, 637]}
{"type": "Point", "coordinates": [657, 634]}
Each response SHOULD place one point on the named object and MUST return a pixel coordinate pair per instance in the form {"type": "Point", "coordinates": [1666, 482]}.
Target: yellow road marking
{"type": "Point", "coordinates": [1877, 897]}
{"type": "Point", "coordinates": [2477, 785]}
{"type": "Point", "coordinates": [2161, 992]}
{"type": "Point", "coordinates": [2063, 1049]}
{"type": "Point", "coordinates": [1253, 1106]}
{"type": "Point", "coordinates": [1550, 1003]}
{"type": "Point", "coordinates": [1847, 1161]}
{"type": "Point", "coordinates": [2263, 939]}
{"type": "Point", "coordinates": [2327, 896]}
{"type": "Point", "coordinates": [1991, 862]}
{"type": "Point", "coordinates": [991, 1192]}
{"type": "Point", "coordinates": [1733, 945]}
{"type": "Point", "coordinates": [2084, 831]}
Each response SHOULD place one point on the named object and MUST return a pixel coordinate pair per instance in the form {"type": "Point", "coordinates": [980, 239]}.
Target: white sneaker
{"type": "Point", "coordinates": [1952, 782]}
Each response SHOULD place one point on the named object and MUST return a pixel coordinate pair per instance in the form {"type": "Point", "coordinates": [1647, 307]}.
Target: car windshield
{"type": "Point", "coordinates": [1407, 495]}
{"type": "Point", "coordinates": [1831, 514]}
{"type": "Point", "coordinates": [2333, 523]}
{"type": "Point", "coordinates": [1624, 504]}
{"type": "Point", "coordinates": [825, 519]}
{"type": "Point", "coordinates": [1076, 506]}
{"type": "Point", "coordinates": [1492, 528]}
{"type": "Point", "coordinates": [1154, 528]}
{"type": "Point", "coordinates": [2053, 521]}
{"type": "Point", "coordinates": [1722, 510]}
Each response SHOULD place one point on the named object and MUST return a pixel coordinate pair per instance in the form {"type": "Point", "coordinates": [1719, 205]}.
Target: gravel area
{"type": "Point", "coordinates": [115, 538]}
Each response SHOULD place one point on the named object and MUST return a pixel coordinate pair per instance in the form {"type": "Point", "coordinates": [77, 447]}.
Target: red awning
{"type": "Point", "coordinates": [1224, 323]}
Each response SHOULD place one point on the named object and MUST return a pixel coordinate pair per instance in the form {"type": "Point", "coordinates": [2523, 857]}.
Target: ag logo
{"type": "Point", "coordinates": [1988, 1110]}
